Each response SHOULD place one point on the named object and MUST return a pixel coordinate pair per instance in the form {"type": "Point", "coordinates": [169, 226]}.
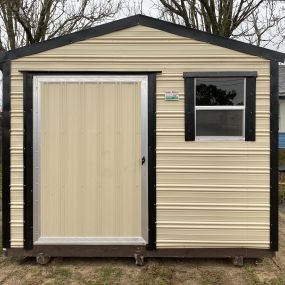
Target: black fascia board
{"type": "Point", "coordinates": [148, 22]}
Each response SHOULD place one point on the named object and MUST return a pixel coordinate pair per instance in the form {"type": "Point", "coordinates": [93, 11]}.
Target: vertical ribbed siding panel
{"type": "Point", "coordinates": [90, 135]}
{"type": "Point", "coordinates": [17, 162]}
{"type": "Point", "coordinates": [210, 194]}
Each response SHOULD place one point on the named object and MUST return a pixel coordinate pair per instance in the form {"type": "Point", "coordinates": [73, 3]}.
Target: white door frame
{"type": "Point", "coordinates": [38, 240]}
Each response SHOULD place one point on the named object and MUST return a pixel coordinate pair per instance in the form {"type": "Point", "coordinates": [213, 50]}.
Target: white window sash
{"type": "Point", "coordinates": [216, 108]}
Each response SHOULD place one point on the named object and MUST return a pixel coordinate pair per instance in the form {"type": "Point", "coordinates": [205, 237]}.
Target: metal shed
{"type": "Point", "coordinates": [140, 137]}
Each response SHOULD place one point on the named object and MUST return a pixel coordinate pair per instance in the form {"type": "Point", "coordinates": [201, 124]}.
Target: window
{"type": "Point", "coordinates": [220, 106]}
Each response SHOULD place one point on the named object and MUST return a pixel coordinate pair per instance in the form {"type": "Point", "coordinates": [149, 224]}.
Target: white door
{"type": "Point", "coordinates": [90, 183]}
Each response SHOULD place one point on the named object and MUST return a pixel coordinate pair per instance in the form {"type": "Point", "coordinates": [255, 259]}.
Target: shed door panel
{"type": "Point", "coordinates": [90, 159]}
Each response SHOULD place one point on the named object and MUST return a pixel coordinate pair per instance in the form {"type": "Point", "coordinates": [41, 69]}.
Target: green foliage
{"type": "Point", "coordinates": [61, 275]}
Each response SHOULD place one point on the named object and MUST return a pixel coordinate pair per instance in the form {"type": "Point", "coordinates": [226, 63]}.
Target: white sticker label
{"type": "Point", "coordinates": [171, 96]}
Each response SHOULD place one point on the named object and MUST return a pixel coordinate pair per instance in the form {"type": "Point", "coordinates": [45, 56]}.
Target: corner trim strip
{"type": "Point", "coordinates": [274, 156]}
{"type": "Point", "coordinates": [6, 126]}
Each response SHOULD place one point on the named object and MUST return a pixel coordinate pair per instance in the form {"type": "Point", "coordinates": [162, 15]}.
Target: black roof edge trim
{"type": "Point", "coordinates": [148, 22]}
{"type": "Point", "coordinates": [221, 74]}
{"type": "Point", "coordinates": [212, 39]}
{"type": "Point", "coordinates": [71, 38]}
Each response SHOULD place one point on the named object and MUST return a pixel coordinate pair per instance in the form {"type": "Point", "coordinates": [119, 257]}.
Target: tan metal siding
{"type": "Point", "coordinates": [214, 184]}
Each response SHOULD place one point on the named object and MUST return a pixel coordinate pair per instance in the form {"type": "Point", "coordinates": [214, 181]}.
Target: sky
{"type": "Point", "coordinates": [149, 10]}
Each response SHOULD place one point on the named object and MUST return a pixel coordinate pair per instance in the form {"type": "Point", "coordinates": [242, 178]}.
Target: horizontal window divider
{"type": "Point", "coordinates": [219, 107]}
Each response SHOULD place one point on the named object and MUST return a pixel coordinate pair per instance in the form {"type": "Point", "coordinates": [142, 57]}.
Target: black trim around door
{"type": "Point", "coordinates": [28, 160]}
{"type": "Point", "coordinates": [6, 128]}
{"type": "Point", "coordinates": [152, 161]}
{"type": "Point", "coordinates": [28, 152]}
{"type": "Point", "coordinates": [274, 203]}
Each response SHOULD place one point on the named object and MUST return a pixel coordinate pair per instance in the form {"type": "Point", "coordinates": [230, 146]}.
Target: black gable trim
{"type": "Point", "coordinates": [148, 22]}
{"type": "Point", "coordinates": [211, 39]}
{"type": "Point", "coordinates": [71, 38]}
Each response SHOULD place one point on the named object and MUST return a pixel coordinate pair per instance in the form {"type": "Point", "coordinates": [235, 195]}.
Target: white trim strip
{"type": "Point", "coordinates": [201, 108]}
{"type": "Point", "coordinates": [143, 79]}
{"type": "Point", "coordinates": [91, 78]}
{"type": "Point", "coordinates": [90, 241]}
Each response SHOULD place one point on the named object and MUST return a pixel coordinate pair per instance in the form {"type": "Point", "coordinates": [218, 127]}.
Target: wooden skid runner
{"type": "Point", "coordinates": [129, 251]}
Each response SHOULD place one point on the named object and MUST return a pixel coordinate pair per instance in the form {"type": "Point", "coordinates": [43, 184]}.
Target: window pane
{"type": "Point", "coordinates": [219, 123]}
{"type": "Point", "coordinates": [219, 91]}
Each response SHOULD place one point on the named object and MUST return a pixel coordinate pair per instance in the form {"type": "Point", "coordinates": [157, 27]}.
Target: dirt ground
{"type": "Point", "coordinates": [155, 272]}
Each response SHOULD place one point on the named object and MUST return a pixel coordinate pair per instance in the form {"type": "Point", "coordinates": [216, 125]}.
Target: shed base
{"type": "Point", "coordinates": [130, 251]}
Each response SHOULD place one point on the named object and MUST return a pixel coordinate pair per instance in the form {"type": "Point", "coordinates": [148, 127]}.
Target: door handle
{"type": "Point", "coordinates": [143, 160]}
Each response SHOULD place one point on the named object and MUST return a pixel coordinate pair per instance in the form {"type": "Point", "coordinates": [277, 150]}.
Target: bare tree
{"type": "Point", "coordinates": [219, 17]}
{"type": "Point", "coordinates": [30, 21]}
{"type": "Point", "coordinates": [133, 7]}
{"type": "Point", "coordinates": [265, 26]}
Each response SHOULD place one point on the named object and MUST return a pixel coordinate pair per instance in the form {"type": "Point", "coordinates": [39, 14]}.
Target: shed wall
{"type": "Point", "coordinates": [209, 194]}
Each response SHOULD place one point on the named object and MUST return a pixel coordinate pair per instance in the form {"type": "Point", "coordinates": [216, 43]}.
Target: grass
{"type": "Point", "coordinates": [108, 275]}
{"type": "Point", "coordinates": [155, 274]}
{"type": "Point", "coordinates": [211, 278]}
{"type": "Point", "coordinates": [61, 275]}
{"type": "Point", "coordinates": [250, 276]}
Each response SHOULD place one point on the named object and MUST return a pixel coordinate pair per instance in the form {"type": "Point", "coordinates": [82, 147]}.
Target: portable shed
{"type": "Point", "coordinates": [140, 137]}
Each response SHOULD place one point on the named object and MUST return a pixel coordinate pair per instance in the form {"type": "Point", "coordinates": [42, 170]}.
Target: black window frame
{"type": "Point", "coordinates": [250, 98]}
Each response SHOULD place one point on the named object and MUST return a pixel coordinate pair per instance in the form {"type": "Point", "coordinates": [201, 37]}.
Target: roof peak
{"type": "Point", "coordinates": [147, 21]}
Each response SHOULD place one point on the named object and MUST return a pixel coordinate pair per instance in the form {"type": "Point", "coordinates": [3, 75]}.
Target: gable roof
{"type": "Point", "coordinates": [148, 22]}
